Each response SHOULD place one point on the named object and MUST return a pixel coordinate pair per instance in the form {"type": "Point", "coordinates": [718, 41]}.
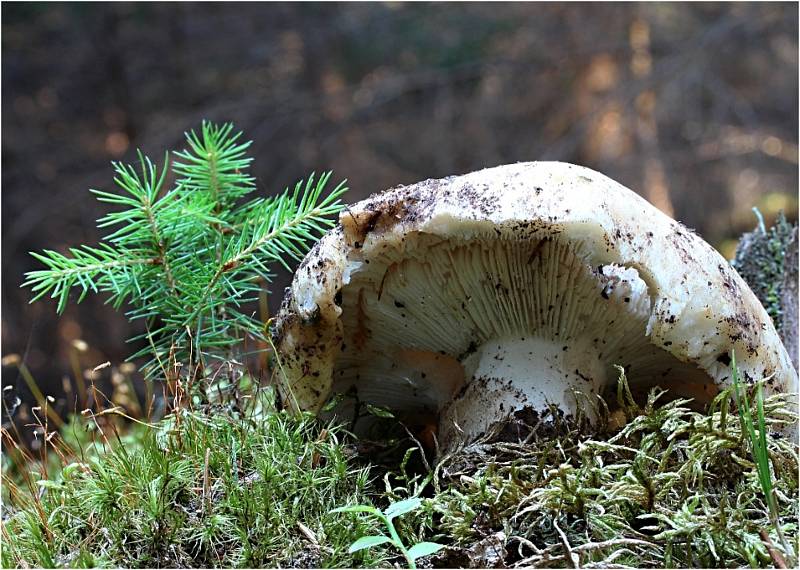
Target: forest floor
{"type": "Point", "coordinates": [227, 480]}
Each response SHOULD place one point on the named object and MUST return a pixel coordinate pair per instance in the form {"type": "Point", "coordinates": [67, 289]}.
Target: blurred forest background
{"type": "Point", "coordinates": [695, 106]}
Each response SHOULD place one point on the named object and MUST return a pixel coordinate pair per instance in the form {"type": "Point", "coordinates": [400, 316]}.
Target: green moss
{"type": "Point", "coordinates": [209, 488]}
{"type": "Point", "coordinates": [760, 258]}
{"type": "Point", "coordinates": [242, 484]}
{"type": "Point", "coordinates": [673, 488]}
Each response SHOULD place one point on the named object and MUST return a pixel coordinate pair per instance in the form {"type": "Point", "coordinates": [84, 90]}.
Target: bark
{"type": "Point", "coordinates": [789, 301]}
{"type": "Point", "coordinates": [767, 259]}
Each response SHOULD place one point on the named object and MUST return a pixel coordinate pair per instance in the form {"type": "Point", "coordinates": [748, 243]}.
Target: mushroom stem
{"type": "Point", "coordinates": [505, 375]}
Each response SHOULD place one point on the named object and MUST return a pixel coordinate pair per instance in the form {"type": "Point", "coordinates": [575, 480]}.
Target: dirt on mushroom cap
{"type": "Point", "coordinates": [700, 309]}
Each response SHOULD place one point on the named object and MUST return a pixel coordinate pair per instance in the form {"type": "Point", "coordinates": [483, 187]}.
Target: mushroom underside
{"type": "Point", "coordinates": [462, 333]}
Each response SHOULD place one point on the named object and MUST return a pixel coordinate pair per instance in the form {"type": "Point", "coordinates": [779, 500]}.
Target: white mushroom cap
{"type": "Point", "coordinates": [470, 297]}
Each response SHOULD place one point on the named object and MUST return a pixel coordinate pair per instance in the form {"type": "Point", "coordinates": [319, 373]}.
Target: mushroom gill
{"type": "Point", "coordinates": [465, 299]}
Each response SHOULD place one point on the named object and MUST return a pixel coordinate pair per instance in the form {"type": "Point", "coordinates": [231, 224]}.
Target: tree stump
{"type": "Point", "coordinates": [767, 259]}
{"type": "Point", "coordinates": [789, 301]}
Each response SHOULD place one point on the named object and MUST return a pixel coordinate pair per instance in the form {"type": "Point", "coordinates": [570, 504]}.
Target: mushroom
{"type": "Point", "coordinates": [463, 300]}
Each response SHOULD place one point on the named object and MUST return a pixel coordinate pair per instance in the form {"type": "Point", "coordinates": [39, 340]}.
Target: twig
{"type": "Point", "coordinates": [574, 558]}
{"type": "Point", "coordinates": [419, 445]}
{"type": "Point", "coordinates": [206, 497]}
{"type": "Point", "coordinates": [607, 543]}
{"type": "Point", "coordinates": [527, 543]}
{"type": "Point", "coordinates": [777, 557]}
{"type": "Point", "coordinates": [308, 533]}
{"type": "Point", "coordinates": [545, 556]}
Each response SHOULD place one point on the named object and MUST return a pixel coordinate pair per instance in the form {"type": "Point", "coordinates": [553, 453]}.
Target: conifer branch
{"type": "Point", "coordinates": [188, 260]}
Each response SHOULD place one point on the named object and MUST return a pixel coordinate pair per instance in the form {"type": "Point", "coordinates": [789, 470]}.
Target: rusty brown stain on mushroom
{"type": "Point", "coordinates": [361, 334]}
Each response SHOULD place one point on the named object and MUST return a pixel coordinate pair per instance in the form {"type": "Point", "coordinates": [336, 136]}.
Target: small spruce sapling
{"type": "Point", "coordinates": [188, 259]}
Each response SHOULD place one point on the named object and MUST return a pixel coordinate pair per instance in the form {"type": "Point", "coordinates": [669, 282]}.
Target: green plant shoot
{"type": "Point", "coordinates": [756, 431]}
{"type": "Point", "coordinates": [387, 516]}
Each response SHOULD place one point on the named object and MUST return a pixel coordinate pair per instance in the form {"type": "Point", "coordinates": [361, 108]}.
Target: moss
{"type": "Point", "coordinates": [243, 484]}
{"type": "Point", "coordinates": [760, 260]}
{"type": "Point", "coordinates": [209, 487]}
{"type": "Point", "coordinates": [673, 488]}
